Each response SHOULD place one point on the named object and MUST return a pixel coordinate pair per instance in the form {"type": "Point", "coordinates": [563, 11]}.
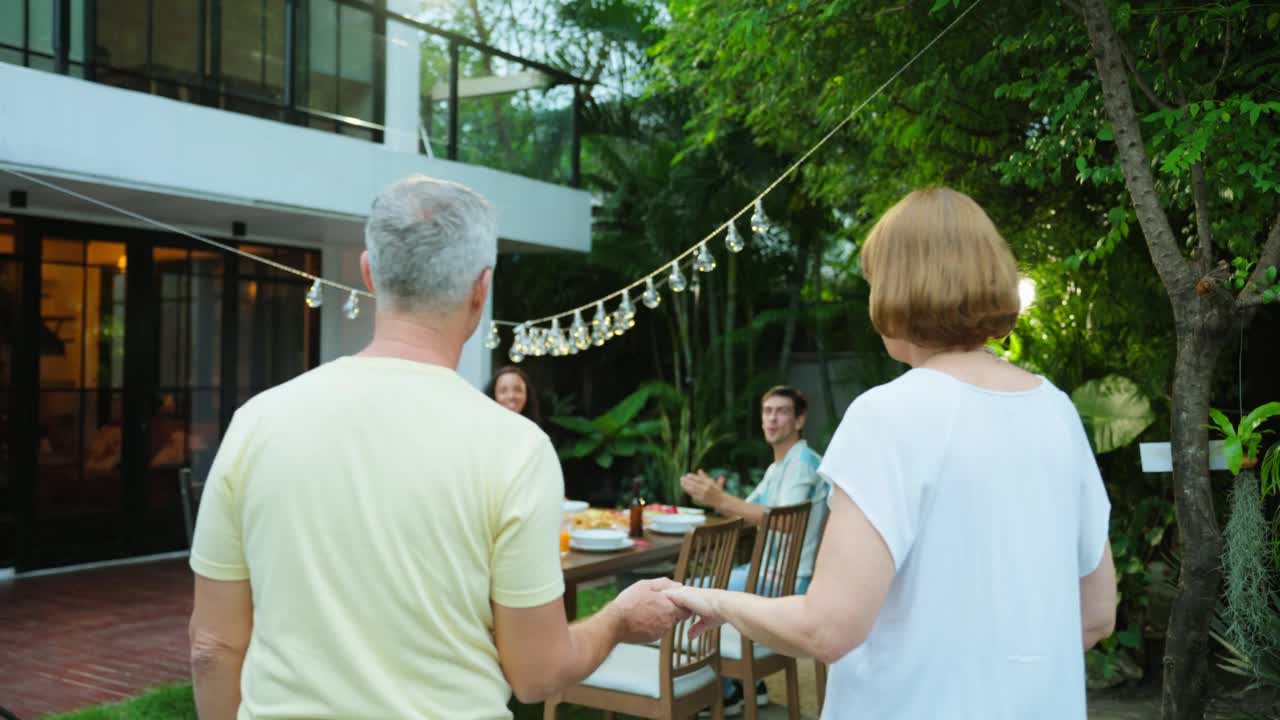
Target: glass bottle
{"type": "Point", "coordinates": [637, 510]}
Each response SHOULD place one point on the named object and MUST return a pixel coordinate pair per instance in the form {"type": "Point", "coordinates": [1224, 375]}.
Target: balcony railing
{"type": "Point", "coordinates": [343, 66]}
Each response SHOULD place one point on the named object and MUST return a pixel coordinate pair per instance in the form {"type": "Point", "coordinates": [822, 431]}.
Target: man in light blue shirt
{"type": "Point", "coordinates": [791, 479]}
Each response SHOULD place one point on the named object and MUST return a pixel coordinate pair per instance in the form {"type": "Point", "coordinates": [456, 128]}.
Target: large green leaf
{"type": "Point", "coordinates": [1259, 415]}
{"type": "Point", "coordinates": [1224, 425]}
{"type": "Point", "coordinates": [577, 424]}
{"type": "Point", "coordinates": [1114, 411]}
{"type": "Point", "coordinates": [582, 448]}
{"type": "Point", "coordinates": [625, 411]}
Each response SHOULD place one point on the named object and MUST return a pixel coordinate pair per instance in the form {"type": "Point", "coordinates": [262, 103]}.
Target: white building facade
{"type": "Point", "coordinates": [267, 125]}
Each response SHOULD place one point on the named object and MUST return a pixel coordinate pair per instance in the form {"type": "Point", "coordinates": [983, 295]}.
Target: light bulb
{"type": "Point", "coordinates": [704, 261]}
{"type": "Point", "coordinates": [650, 298]}
{"type": "Point", "coordinates": [515, 354]}
{"type": "Point", "coordinates": [351, 308]}
{"type": "Point", "coordinates": [676, 279]}
{"type": "Point", "coordinates": [553, 336]}
{"type": "Point", "coordinates": [580, 335]}
{"type": "Point", "coordinates": [491, 340]}
{"type": "Point", "coordinates": [315, 297]}
{"type": "Point", "coordinates": [760, 224]}
{"type": "Point", "coordinates": [627, 310]}
{"type": "Point", "coordinates": [603, 320]}
{"type": "Point", "coordinates": [733, 240]}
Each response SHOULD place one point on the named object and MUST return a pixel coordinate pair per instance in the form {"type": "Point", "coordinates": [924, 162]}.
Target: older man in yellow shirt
{"type": "Point", "coordinates": [377, 538]}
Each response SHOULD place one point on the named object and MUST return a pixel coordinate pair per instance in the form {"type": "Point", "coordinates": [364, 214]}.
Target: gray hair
{"type": "Point", "coordinates": [428, 240]}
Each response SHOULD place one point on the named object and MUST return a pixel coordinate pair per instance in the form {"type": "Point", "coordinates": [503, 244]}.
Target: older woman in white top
{"type": "Point", "coordinates": [965, 566]}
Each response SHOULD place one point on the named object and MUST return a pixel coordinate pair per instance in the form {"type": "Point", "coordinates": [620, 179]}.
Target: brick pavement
{"type": "Point", "coordinates": [93, 636]}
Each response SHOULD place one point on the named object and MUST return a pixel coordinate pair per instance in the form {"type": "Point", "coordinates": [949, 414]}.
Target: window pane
{"type": "Point", "coordinates": [59, 250]}
{"type": "Point", "coordinates": [104, 305]}
{"type": "Point", "coordinates": [40, 25]}
{"type": "Point", "coordinates": [8, 236]}
{"type": "Point", "coordinates": [61, 325]}
{"type": "Point", "coordinates": [77, 31]}
{"type": "Point", "coordinates": [357, 64]}
{"type": "Point", "coordinates": [322, 56]}
{"type": "Point", "coordinates": [252, 42]}
{"type": "Point", "coordinates": [206, 331]}
{"type": "Point", "coordinates": [11, 23]}
{"type": "Point", "coordinates": [174, 42]}
{"type": "Point", "coordinates": [58, 453]}
{"type": "Point", "coordinates": [121, 43]}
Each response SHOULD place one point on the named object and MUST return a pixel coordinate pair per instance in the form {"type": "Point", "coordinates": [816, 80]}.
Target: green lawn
{"type": "Point", "coordinates": [175, 702]}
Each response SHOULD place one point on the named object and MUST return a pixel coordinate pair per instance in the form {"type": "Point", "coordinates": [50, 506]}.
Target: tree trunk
{"type": "Point", "coordinates": [819, 333]}
{"type": "Point", "coordinates": [1203, 321]}
{"type": "Point", "coordinates": [795, 287]}
{"type": "Point", "coordinates": [1201, 337]}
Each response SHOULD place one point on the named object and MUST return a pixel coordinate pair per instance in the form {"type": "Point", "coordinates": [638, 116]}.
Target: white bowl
{"type": "Point", "coordinates": [575, 506]}
{"type": "Point", "coordinates": [601, 539]}
{"type": "Point", "coordinates": [677, 523]}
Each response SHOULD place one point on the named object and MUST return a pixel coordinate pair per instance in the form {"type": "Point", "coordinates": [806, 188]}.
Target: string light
{"type": "Point", "coordinates": [527, 337]}
{"type": "Point", "coordinates": [733, 240]}
{"type": "Point", "coordinates": [351, 308]}
{"type": "Point", "coordinates": [315, 298]}
{"type": "Point", "coordinates": [651, 298]}
{"type": "Point", "coordinates": [581, 336]}
{"type": "Point", "coordinates": [676, 279]}
{"type": "Point", "coordinates": [704, 261]}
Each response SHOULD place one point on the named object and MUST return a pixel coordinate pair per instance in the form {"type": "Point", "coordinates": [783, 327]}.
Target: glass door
{"type": "Point", "coordinates": [11, 325]}
{"type": "Point", "coordinates": [80, 488]}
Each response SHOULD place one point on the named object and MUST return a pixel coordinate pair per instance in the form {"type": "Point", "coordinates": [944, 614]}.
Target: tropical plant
{"type": "Point", "coordinates": [682, 448]}
{"type": "Point", "coordinates": [1114, 410]}
{"type": "Point", "coordinates": [616, 433]}
{"type": "Point", "coordinates": [1240, 447]}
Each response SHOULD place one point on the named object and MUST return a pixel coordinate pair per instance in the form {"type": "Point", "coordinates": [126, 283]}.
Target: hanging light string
{"type": "Point", "coordinates": [703, 262]}
{"type": "Point", "coordinates": [755, 202]}
{"type": "Point", "coordinates": [351, 308]}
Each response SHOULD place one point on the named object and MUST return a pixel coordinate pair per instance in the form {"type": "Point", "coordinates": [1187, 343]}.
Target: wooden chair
{"type": "Point", "coordinates": [189, 490]}
{"type": "Point", "coordinates": [775, 562]}
{"type": "Point", "coordinates": [681, 676]}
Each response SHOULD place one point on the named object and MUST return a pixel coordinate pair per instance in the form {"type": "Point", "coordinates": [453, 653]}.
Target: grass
{"type": "Point", "coordinates": [169, 702]}
{"type": "Point", "coordinates": [176, 702]}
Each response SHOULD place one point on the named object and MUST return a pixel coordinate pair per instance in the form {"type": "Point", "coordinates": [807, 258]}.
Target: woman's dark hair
{"type": "Point", "coordinates": [531, 409]}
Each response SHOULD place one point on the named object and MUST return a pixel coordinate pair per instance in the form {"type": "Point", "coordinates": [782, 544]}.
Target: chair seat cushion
{"type": "Point", "coordinates": [731, 645]}
{"type": "Point", "coordinates": [634, 669]}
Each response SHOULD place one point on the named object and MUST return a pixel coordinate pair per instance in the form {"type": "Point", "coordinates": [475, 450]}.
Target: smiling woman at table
{"type": "Point", "coordinates": [965, 564]}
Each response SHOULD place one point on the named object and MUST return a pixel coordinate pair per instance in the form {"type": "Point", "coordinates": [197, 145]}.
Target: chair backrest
{"type": "Point", "coordinates": [190, 491]}
{"type": "Point", "coordinates": [775, 559]}
{"type": "Point", "coordinates": [706, 559]}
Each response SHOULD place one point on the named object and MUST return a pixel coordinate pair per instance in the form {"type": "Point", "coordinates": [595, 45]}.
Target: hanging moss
{"type": "Point", "coordinates": [1245, 563]}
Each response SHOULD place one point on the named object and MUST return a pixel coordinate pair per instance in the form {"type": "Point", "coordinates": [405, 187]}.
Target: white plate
{"type": "Point", "coordinates": [627, 543]}
{"type": "Point", "coordinates": [690, 511]}
{"type": "Point", "coordinates": [575, 506]}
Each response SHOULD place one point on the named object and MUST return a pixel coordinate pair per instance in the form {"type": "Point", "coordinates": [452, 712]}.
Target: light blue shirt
{"type": "Point", "coordinates": [793, 480]}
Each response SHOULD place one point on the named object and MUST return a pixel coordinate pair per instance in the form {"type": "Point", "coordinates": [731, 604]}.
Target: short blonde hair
{"type": "Point", "coordinates": [941, 276]}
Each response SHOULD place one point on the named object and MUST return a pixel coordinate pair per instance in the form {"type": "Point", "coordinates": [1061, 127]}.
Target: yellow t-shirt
{"type": "Point", "coordinates": [376, 507]}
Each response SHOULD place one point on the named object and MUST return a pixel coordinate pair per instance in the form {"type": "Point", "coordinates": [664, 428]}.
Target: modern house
{"type": "Point", "coordinates": [267, 125]}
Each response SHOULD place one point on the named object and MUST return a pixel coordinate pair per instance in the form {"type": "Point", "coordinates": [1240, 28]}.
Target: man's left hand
{"type": "Point", "coordinates": [702, 488]}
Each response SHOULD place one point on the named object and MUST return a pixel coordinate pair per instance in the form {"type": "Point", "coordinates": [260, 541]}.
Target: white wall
{"type": "Point", "coordinates": [78, 129]}
{"type": "Point", "coordinates": [340, 336]}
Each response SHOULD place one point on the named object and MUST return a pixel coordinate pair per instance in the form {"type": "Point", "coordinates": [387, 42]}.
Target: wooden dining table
{"type": "Point", "coordinates": [583, 566]}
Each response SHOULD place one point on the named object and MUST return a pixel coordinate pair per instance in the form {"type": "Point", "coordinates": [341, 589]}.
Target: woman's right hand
{"type": "Point", "coordinates": [701, 602]}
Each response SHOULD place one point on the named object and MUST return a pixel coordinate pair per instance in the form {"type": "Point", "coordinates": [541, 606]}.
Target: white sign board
{"type": "Point", "coordinates": [1158, 457]}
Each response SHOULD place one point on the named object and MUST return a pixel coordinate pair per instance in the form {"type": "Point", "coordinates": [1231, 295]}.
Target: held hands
{"type": "Point", "coordinates": [702, 488]}
{"type": "Point", "coordinates": [701, 602]}
{"type": "Point", "coordinates": [645, 613]}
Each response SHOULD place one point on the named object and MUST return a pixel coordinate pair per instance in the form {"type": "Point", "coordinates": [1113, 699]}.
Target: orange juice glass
{"type": "Point", "coordinates": [564, 540]}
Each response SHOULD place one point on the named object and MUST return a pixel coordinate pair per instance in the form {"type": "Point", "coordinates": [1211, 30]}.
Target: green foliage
{"type": "Point", "coordinates": [1241, 443]}
{"type": "Point", "coordinates": [1262, 664]}
{"type": "Point", "coordinates": [1114, 411]}
{"type": "Point", "coordinates": [616, 433]}
{"type": "Point", "coordinates": [171, 702]}
{"type": "Point", "coordinates": [683, 448]}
